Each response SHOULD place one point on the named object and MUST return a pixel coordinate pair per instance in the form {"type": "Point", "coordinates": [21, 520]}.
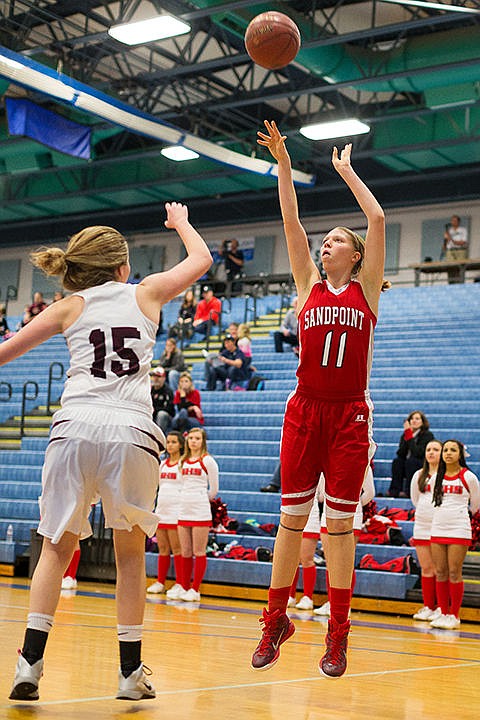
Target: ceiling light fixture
{"type": "Point", "coordinates": [144, 31]}
{"type": "Point", "coordinates": [434, 6]}
{"type": "Point", "coordinates": [179, 153]}
{"type": "Point", "coordinates": [338, 128]}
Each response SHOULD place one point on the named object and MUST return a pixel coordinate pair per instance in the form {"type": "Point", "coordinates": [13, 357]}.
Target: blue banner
{"type": "Point", "coordinates": [30, 120]}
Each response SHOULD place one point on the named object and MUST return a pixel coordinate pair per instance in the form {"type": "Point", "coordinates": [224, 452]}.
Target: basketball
{"type": "Point", "coordinates": [272, 40]}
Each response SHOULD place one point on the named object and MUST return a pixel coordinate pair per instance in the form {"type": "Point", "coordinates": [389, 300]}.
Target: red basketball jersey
{"type": "Point", "coordinates": [336, 342]}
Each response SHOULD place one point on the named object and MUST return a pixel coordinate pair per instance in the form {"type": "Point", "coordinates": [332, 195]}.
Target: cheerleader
{"type": "Point", "coordinates": [199, 486]}
{"type": "Point", "coordinates": [456, 490]}
{"type": "Point", "coordinates": [367, 494]}
{"type": "Point", "coordinates": [167, 507]}
{"type": "Point", "coordinates": [421, 493]}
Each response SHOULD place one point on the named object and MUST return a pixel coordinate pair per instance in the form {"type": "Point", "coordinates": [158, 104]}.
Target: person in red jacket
{"type": "Point", "coordinates": [207, 312]}
{"type": "Point", "coordinates": [187, 402]}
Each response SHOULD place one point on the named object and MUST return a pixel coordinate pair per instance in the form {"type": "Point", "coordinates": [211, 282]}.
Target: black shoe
{"type": "Point", "coordinates": [270, 488]}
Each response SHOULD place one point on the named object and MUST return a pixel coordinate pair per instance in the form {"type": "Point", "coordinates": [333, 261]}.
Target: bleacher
{"type": "Point", "coordinates": [425, 358]}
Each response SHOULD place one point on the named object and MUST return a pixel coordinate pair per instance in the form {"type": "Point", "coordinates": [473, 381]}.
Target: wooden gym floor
{"type": "Point", "coordinates": [200, 656]}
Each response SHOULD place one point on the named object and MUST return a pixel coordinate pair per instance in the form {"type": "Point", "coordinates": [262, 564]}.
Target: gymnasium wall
{"type": "Point", "coordinates": [405, 229]}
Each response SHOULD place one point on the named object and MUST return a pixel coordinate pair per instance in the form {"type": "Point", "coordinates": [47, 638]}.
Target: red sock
{"type": "Point", "coordinates": [199, 571]}
{"type": "Point", "coordinates": [71, 571]}
{"type": "Point", "coordinates": [177, 563]}
{"type": "Point", "coordinates": [456, 597]}
{"type": "Point", "coordinates": [293, 587]}
{"type": "Point", "coordinates": [352, 586]}
{"type": "Point", "coordinates": [187, 567]}
{"type": "Point", "coordinates": [309, 578]}
{"type": "Point", "coordinates": [442, 595]}
{"type": "Point", "coordinates": [428, 591]}
{"type": "Point", "coordinates": [278, 599]}
{"type": "Point", "coordinates": [339, 604]}
{"type": "Point", "coordinates": [163, 565]}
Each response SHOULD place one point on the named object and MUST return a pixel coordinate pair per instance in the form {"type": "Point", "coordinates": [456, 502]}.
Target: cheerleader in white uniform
{"type": "Point", "coordinates": [367, 494]}
{"type": "Point", "coordinates": [456, 491]}
{"type": "Point", "coordinates": [421, 494]}
{"type": "Point", "coordinates": [199, 486]}
{"type": "Point", "coordinates": [167, 508]}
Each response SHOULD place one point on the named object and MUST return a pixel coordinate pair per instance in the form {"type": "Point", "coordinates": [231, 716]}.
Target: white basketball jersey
{"type": "Point", "coordinates": [111, 348]}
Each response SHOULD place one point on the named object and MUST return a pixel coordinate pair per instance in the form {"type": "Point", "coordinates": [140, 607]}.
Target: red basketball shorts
{"type": "Point", "coordinates": [333, 437]}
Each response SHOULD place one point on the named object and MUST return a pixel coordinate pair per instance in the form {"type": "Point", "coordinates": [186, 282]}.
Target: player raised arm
{"type": "Point", "coordinates": [304, 270]}
{"type": "Point", "coordinates": [166, 285]}
{"type": "Point", "coordinates": [371, 274]}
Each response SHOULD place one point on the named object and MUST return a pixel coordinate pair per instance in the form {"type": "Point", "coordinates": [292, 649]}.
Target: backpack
{"type": "Point", "coordinates": [257, 382]}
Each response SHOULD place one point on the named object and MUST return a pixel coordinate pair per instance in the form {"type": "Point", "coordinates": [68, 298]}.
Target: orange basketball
{"type": "Point", "coordinates": [272, 40]}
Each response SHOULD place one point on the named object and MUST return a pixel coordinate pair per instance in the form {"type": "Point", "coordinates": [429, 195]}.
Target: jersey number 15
{"type": "Point", "coordinates": [119, 335]}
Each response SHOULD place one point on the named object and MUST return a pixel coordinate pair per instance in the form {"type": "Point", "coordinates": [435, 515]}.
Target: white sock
{"type": "Point", "coordinates": [129, 633]}
{"type": "Point", "coordinates": [40, 621]}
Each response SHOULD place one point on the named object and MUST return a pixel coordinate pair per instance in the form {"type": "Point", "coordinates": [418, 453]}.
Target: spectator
{"type": "Point", "coordinates": [3, 322]}
{"type": "Point", "coordinates": [207, 312]}
{"type": "Point", "coordinates": [234, 262]}
{"type": "Point", "coordinates": [230, 366]}
{"type": "Point", "coordinates": [274, 484]}
{"type": "Point", "coordinates": [288, 332]}
{"type": "Point", "coordinates": [244, 341]}
{"type": "Point", "coordinates": [162, 399]}
{"type": "Point", "coordinates": [410, 453]}
{"type": "Point", "coordinates": [187, 402]}
{"type": "Point", "coordinates": [173, 361]}
{"type": "Point", "coordinates": [35, 308]}
{"type": "Point", "coordinates": [186, 313]}
{"type": "Point", "coordinates": [455, 493]}
{"type": "Point", "coordinates": [455, 240]}
{"type": "Point", "coordinates": [57, 295]}
{"type": "Point", "coordinates": [233, 330]}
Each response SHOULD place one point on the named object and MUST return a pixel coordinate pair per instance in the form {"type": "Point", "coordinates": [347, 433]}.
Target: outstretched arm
{"type": "Point", "coordinates": [304, 270]}
{"type": "Point", "coordinates": [371, 274]}
{"type": "Point", "coordinates": [167, 285]}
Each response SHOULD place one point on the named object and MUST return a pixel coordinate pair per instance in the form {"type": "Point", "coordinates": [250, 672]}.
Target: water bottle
{"type": "Point", "coordinates": [9, 537]}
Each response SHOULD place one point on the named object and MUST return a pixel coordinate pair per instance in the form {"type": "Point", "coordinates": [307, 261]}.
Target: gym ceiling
{"type": "Point", "coordinates": [410, 72]}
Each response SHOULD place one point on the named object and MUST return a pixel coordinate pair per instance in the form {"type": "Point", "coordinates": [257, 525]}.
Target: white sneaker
{"type": "Point", "coordinates": [156, 588]}
{"type": "Point", "coordinates": [175, 592]}
{"type": "Point", "coordinates": [323, 610]}
{"type": "Point", "coordinates": [425, 613]}
{"type": "Point", "coordinates": [190, 596]}
{"type": "Point", "coordinates": [436, 614]}
{"type": "Point", "coordinates": [69, 583]}
{"type": "Point", "coordinates": [442, 621]}
{"type": "Point", "coordinates": [291, 602]}
{"type": "Point", "coordinates": [452, 622]}
{"type": "Point", "coordinates": [136, 686]}
{"type": "Point", "coordinates": [27, 677]}
{"type": "Point", "coordinates": [305, 603]}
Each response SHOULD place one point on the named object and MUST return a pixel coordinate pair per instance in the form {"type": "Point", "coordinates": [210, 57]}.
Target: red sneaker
{"type": "Point", "coordinates": [334, 662]}
{"type": "Point", "coordinates": [277, 627]}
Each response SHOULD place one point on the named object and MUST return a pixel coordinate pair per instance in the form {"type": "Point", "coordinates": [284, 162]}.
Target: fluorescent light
{"type": "Point", "coordinates": [179, 153]}
{"type": "Point", "coordinates": [434, 6]}
{"type": "Point", "coordinates": [144, 31]}
{"type": "Point", "coordinates": [338, 128]}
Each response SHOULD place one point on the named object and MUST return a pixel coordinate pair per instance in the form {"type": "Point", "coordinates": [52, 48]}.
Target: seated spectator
{"type": "Point", "coordinates": [187, 402]}
{"type": "Point", "coordinates": [3, 322]}
{"type": "Point", "coordinates": [173, 361]}
{"type": "Point", "coordinates": [207, 312]}
{"type": "Point", "coordinates": [183, 326]}
{"type": "Point", "coordinates": [288, 332]}
{"type": "Point", "coordinates": [230, 366]}
{"type": "Point", "coordinates": [410, 454]}
{"type": "Point", "coordinates": [162, 399]}
{"type": "Point", "coordinates": [233, 330]}
{"type": "Point", "coordinates": [57, 295]}
{"type": "Point", "coordinates": [35, 308]}
{"type": "Point", "coordinates": [244, 341]}
{"type": "Point", "coordinates": [274, 484]}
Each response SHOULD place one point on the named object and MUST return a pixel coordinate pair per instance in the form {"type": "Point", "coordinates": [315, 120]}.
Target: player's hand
{"type": "Point", "coordinates": [274, 141]}
{"type": "Point", "coordinates": [176, 214]}
{"type": "Point", "coordinates": [343, 162]}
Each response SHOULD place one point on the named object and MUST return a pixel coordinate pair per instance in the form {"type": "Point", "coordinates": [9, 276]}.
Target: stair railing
{"type": "Point", "coordinates": [3, 383]}
{"type": "Point", "coordinates": [52, 377]}
{"type": "Point", "coordinates": [25, 397]}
